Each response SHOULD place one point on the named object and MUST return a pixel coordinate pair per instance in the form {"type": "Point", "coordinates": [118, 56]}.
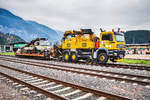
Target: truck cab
{"type": "Point", "coordinates": [111, 46]}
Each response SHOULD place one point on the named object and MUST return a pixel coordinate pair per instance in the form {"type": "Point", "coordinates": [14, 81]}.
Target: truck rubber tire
{"type": "Point", "coordinates": [102, 58]}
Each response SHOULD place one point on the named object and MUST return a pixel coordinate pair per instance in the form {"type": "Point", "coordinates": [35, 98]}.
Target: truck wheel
{"type": "Point", "coordinates": [66, 57]}
{"type": "Point", "coordinates": [102, 58]}
{"type": "Point", "coordinates": [74, 57]}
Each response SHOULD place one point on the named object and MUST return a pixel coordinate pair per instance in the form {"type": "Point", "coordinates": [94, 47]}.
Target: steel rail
{"type": "Point", "coordinates": [87, 73]}
{"type": "Point", "coordinates": [97, 92]}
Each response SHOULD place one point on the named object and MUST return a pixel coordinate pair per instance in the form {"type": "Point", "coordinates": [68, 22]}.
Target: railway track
{"type": "Point", "coordinates": [56, 89]}
{"type": "Point", "coordinates": [112, 65]}
{"type": "Point", "coordinates": [135, 79]}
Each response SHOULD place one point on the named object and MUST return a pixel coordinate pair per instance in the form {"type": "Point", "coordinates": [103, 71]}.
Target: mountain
{"type": "Point", "coordinates": [137, 37]}
{"type": "Point", "coordinates": [9, 38]}
{"type": "Point", "coordinates": [28, 30]}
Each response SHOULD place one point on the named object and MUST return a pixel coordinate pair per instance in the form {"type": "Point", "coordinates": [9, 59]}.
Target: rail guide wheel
{"type": "Point", "coordinates": [74, 57]}
{"type": "Point", "coordinates": [66, 56]}
{"type": "Point", "coordinates": [102, 58]}
{"type": "Point", "coordinates": [113, 60]}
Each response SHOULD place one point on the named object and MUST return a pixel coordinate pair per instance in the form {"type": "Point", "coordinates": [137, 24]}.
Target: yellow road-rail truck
{"type": "Point", "coordinates": [84, 44]}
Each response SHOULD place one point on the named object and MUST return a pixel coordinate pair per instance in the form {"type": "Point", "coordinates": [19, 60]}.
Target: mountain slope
{"type": "Point", "coordinates": [28, 30]}
{"type": "Point", "coordinates": [137, 36]}
{"type": "Point", "coordinates": [9, 38]}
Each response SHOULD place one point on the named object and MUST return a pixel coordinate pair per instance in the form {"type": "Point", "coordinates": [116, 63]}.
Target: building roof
{"type": "Point", "coordinates": [138, 44]}
{"type": "Point", "coordinates": [18, 43]}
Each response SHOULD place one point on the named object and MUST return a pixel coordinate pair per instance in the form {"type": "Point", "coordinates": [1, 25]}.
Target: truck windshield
{"type": "Point", "coordinates": [44, 43]}
{"type": "Point", "coordinates": [119, 38]}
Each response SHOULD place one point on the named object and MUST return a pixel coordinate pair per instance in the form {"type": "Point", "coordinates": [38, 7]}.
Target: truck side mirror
{"type": "Point", "coordinates": [113, 30]}
{"type": "Point", "coordinates": [118, 29]}
{"type": "Point", "coordinates": [101, 30]}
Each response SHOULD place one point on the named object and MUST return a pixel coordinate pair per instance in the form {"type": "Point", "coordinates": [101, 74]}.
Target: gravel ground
{"type": "Point", "coordinates": [110, 86]}
{"type": "Point", "coordinates": [8, 93]}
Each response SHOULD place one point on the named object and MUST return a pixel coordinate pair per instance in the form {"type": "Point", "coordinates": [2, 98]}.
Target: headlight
{"type": "Point", "coordinates": [45, 47]}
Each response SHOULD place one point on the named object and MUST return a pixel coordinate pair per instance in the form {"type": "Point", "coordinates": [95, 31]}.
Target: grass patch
{"type": "Point", "coordinates": [134, 61]}
{"type": "Point", "coordinates": [7, 53]}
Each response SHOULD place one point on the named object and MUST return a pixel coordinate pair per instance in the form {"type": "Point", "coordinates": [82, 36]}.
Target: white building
{"type": "Point", "coordinates": [6, 48]}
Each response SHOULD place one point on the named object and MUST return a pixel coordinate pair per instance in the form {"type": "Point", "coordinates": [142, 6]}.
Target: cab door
{"type": "Point", "coordinates": [107, 40]}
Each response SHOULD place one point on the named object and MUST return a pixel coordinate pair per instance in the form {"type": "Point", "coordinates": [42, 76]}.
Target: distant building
{"type": "Point", "coordinates": [6, 48]}
{"type": "Point", "coordinates": [12, 47]}
{"type": "Point", "coordinates": [138, 49]}
{"type": "Point", "coordinates": [2, 48]}
{"type": "Point", "coordinates": [18, 45]}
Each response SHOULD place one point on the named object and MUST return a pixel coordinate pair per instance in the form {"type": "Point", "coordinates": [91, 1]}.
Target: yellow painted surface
{"type": "Point", "coordinates": [66, 56]}
{"type": "Point", "coordinates": [118, 60]}
{"type": "Point", "coordinates": [73, 57]}
{"type": "Point", "coordinates": [85, 41]}
{"type": "Point", "coordinates": [110, 45]}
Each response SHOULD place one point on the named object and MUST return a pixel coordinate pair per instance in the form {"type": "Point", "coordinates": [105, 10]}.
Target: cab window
{"type": "Point", "coordinates": [68, 37]}
{"type": "Point", "coordinates": [107, 37]}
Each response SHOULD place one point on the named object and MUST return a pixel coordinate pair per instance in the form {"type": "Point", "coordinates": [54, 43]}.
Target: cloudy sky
{"type": "Point", "coordinates": [75, 14]}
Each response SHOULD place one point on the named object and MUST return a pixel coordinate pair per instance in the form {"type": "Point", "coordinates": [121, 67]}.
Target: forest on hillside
{"type": "Point", "coordinates": [137, 37]}
{"type": "Point", "coordinates": [9, 38]}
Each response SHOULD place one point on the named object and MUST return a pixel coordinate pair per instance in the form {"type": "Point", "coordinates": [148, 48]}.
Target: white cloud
{"type": "Point", "coordinates": [76, 14]}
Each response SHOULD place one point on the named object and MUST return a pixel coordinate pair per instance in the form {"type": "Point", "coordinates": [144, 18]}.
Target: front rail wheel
{"type": "Point", "coordinates": [102, 58]}
{"type": "Point", "coordinates": [113, 60]}
{"type": "Point", "coordinates": [74, 57]}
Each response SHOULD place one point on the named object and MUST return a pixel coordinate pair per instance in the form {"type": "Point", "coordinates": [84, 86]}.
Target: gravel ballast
{"type": "Point", "coordinates": [8, 93]}
{"type": "Point", "coordinates": [111, 86]}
